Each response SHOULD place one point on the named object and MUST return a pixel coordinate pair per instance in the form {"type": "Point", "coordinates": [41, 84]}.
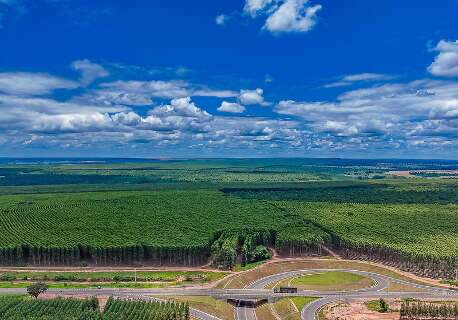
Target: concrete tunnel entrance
{"type": "Point", "coordinates": [247, 303]}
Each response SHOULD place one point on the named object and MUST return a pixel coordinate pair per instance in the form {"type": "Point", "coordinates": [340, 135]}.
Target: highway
{"type": "Point", "coordinates": [256, 291]}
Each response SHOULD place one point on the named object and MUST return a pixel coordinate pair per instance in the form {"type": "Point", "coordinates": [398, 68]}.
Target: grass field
{"type": "Point", "coordinates": [332, 280]}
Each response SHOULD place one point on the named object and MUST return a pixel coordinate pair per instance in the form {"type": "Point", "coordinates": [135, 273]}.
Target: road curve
{"type": "Point", "coordinates": [381, 283]}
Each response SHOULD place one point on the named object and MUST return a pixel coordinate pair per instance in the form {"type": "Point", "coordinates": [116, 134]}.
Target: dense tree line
{"type": "Point", "coordinates": [241, 246]}
{"type": "Point", "coordinates": [419, 264]}
{"type": "Point", "coordinates": [427, 311]}
{"type": "Point", "coordinates": [155, 255]}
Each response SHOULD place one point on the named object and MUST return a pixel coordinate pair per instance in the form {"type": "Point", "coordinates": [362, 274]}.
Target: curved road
{"type": "Point", "coordinates": [255, 291]}
{"type": "Point", "coordinates": [381, 282]}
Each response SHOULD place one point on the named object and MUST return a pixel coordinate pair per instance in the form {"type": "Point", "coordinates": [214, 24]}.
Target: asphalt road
{"type": "Point", "coordinates": [256, 291]}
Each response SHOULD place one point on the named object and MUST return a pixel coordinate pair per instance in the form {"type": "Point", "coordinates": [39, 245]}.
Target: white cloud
{"type": "Point", "coordinates": [231, 107]}
{"type": "Point", "coordinates": [392, 111]}
{"type": "Point", "coordinates": [293, 16]}
{"type": "Point", "coordinates": [367, 77]}
{"type": "Point", "coordinates": [253, 7]}
{"type": "Point", "coordinates": [359, 77]}
{"type": "Point", "coordinates": [446, 62]}
{"type": "Point", "coordinates": [89, 71]}
{"type": "Point", "coordinates": [148, 89]}
{"type": "Point", "coordinates": [250, 97]}
{"type": "Point", "coordinates": [25, 83]}
{"type": "Point", "coordinates": [206, 92]}
{"type": "Point", "coordinates": [221, 19]}
{"type": "Point", "coordinates": [183, 107]}
{"type": "Point", "coordinates": [284, 15]}
{"type": "Point", "coordinates": [137, 93]}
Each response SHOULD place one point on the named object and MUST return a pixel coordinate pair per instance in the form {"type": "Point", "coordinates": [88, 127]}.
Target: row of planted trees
{"type": "Point", "coordinates": [155, 255]}
{"type": "Point", "coordinates": [419, 264]}
{"type": "Point", "coordinates": [427, 311]}
{"type": "Point", "coordinates": [116, 309]}
{"type": "Point", "coordinates": [229, 247]}
{"type": "Point", "coordinates": [19, 308]}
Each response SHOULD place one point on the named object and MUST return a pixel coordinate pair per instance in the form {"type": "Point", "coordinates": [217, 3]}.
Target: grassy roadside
{"type": "Point", "coordinates": [95, 285]}
{"type": "Point", "coordinates": [242, 279]}
{"type": "Point", "coordinates": [115, 279]}
{"type": "Point", "coordinates": [116, 276]}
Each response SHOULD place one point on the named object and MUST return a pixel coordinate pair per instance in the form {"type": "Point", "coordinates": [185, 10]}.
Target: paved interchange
{"type": "Point", "coordinates": [256, 291]}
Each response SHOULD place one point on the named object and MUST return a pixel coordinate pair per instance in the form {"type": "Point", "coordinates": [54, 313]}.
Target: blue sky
{"type": "Point", "coordinates": [256, 78]}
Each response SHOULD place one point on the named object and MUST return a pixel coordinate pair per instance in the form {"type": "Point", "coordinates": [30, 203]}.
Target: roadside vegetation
{"type": "Point", "coordinates": [113, 276]}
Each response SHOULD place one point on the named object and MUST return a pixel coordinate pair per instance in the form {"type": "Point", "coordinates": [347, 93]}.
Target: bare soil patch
{"type": "Point", "coordinates": [357, 310]}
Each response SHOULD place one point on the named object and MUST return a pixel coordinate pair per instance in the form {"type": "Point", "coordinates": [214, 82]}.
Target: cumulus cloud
{"type": "Point", "coordinates": [292, 16]}
{"type": "Point", "coordinates": [417, 114]}
{"type": "Point", "coordinates": [251, 97]}
{"type": "Point", "coordinates": [90, 71]}
{"type": "Point", "coordinates": [253, 7]}
{"type": "Point", "coordinates": [446, 62]}
{"type": "Point", "coordinates": [231, 107]}
{"type": "Point", "coordinates": [392, 111]}
{"type": "Point", "coordinates": [284, 15]}
{"type": "Point", "coordinates": [138, 93]}
{"type": "Point", "coordinates": [25, 83]}
{"type": "Point", "coordinates": [183, 107]}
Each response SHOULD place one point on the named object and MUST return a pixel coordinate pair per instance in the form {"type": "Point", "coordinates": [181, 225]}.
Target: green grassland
{"type": "Point", "coordinates": [330, 278]}
{"type": "Point", "coordinates": [333, 280]}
